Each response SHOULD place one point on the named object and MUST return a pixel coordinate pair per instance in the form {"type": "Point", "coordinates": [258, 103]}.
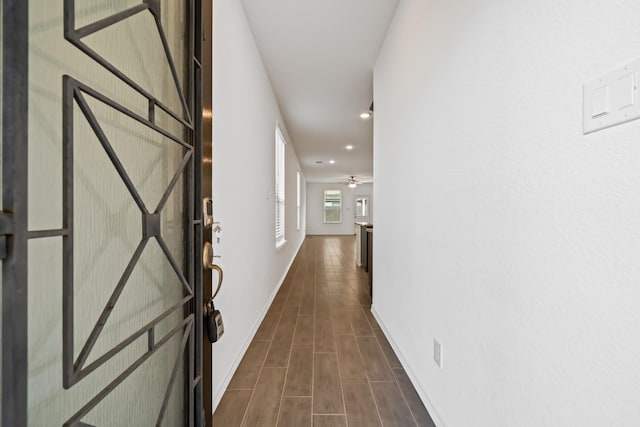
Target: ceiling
{"type": "Point", "coordinates": [319, 55]}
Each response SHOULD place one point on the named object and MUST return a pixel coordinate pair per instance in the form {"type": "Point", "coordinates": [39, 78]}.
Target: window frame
{"type": "Point", "coordinates": [364, 206]}
{"type": "Point", "coordinates": [324, 206]}
{"type": "Point", "coordinates": [298, 200]}
{"type": "Point", "coordinates": [280, 188]}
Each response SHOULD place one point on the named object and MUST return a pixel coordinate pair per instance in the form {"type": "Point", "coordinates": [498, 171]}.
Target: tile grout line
{"type": "Point", "coordinates": [333, 271]}
{"type": "Point", "coordinates": [404, 397]}
{"type": "Point", "coordinates": [286, 375]}
{"type": "Point", "coordinates": [344, 399]}
{"type": "Point", "coordinates": [246, 410]}
{"type": "Point", "coordinates": [384, 354]}
{"type": "Point", "coordinates": [328, 415]}
{"type": "Point", "coordinates": [395, 381]}
{"type": "Point", "coordinates": [375, 402]}
{"type": "Point", "coordinates": [313, 344]}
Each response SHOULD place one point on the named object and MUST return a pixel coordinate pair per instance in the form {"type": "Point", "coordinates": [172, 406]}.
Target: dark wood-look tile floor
{"type": "Point", "coordinates": [319, 357]}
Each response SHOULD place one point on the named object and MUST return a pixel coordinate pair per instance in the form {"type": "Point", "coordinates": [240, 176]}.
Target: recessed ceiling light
{"type": "Point", "coordinates": [332, 162]}
{"type": "Point", "coordinates": [349, 147]}
{"type": "Point", "coordinates": [365, 115]}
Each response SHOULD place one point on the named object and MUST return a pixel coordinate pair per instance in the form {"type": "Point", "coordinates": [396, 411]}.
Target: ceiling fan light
{"type": "Point", "coordinates": [352, 185]}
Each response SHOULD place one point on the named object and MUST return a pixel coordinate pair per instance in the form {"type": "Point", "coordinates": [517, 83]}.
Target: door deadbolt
{"type": "Point", "coordinates": [207, 212]}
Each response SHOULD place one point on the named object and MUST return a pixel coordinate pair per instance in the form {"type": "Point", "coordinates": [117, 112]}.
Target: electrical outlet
{"type": "Point", "coordinates": [437, 353]}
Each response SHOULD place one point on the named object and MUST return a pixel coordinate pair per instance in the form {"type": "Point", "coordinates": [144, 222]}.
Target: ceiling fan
{"type": "Point", "coordinates": [352, 182]}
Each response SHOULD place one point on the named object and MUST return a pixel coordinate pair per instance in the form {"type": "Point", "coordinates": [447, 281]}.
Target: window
{"type": "Point", "coordinates": [298, 199]}
{"type": "Point", "coordinates": [332, 206]}
{"type": "Point", "coordinates": [362, 206]}
{"type": "Point", "coordinates": [280, 146]}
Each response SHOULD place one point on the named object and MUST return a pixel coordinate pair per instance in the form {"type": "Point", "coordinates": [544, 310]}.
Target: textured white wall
{"type": "Point", "coordinates": [522, 253]}
{"type": "Point", "coordinates": [245, 112]}
{"type": "Point", "coordinates": [315, 203]}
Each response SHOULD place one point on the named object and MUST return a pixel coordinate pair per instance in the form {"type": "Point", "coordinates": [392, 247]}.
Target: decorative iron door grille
{"type": "Point", "coordinates": [129, 240]}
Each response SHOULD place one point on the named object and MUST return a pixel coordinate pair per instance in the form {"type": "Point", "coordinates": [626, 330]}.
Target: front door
{"type": "Point", "coordinates": [101, 281]}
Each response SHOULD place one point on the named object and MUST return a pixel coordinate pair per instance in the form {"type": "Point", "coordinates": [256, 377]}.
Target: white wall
{"type": "Point", "coordinates": [245, 112]}
{"type": "Point", "coordinates": [315, 212]}
{"type": "Point", "coordinates": [522, 256]}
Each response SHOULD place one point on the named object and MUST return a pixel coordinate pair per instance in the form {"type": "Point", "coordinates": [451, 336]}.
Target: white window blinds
{"type": "Point", "coordinates": [298, 213]}
{"type": "Point", "coordinates": [280, 226]}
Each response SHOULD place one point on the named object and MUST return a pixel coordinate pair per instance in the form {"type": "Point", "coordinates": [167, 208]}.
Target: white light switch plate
{"type": "Point", "coordinates": [612, 99]}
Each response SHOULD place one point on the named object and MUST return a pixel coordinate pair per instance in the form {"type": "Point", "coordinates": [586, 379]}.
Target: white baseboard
{"type": "Point", "coordinates": [407, 369]}
{"type": "Point", "coordinates": [218, 395]}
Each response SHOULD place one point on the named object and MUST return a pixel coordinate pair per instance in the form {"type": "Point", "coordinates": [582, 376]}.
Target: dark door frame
{"type": "Point", "coordinates": [207, 191]}
{"type": "Point", "coordinates": [15, 90]}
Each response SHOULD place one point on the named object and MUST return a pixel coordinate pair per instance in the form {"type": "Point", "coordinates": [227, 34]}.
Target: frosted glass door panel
{"type": "Point", "coordinates": [121, 278]}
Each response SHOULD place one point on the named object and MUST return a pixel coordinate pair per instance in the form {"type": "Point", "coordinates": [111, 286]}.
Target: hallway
{"type": "Point", "coordinates": [319, 356]}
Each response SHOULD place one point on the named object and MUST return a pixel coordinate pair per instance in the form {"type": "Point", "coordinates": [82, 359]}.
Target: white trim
{"type": "Point", "coordinates": [423, 395]}
{"type": "Point", "coordinates": [280, 245]}
{"type": "Point", "coordinates": [254, 329]}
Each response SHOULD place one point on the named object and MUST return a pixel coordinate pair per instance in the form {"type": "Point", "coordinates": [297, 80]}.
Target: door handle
{"type": "Point", "coordinates": [212, 317]}
{"type": "Point", "coordinates": [208, 264]}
